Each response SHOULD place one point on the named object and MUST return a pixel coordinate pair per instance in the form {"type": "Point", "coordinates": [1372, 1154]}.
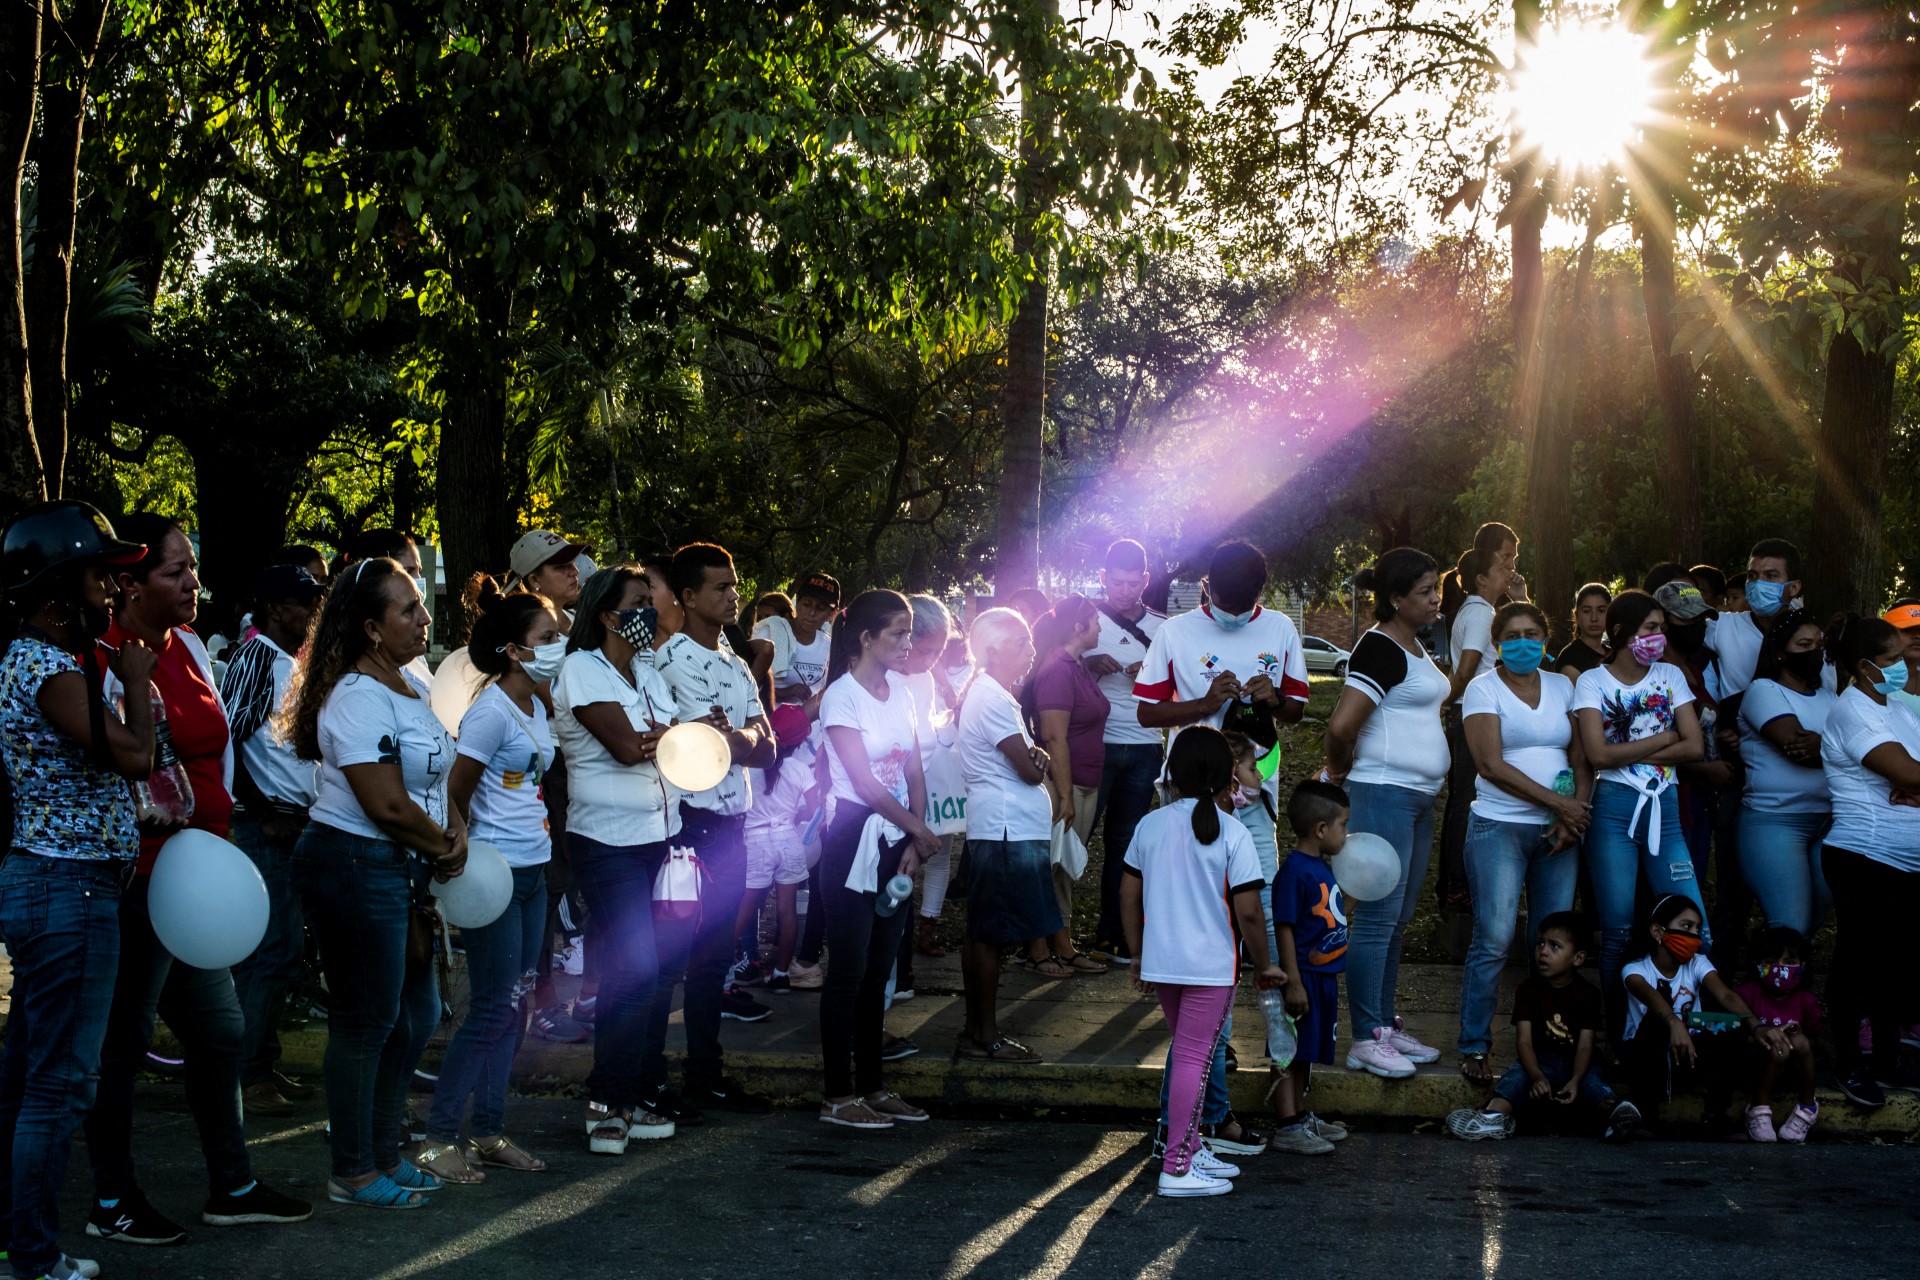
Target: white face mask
{"type": "Point", "coordinates": [544, 665]}
{"type": "Point", "coordinates": [420, 585]}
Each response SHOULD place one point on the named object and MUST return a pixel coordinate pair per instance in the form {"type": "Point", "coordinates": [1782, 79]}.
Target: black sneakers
{"type": "Point", "coordinates": [258, 1203]}
{"type": "Point", "coordinates": [726, 1094]}
{"type": "Point", "coordinates": [669, 1103]}
{"type": "Point", "coordinates": [133, 1221]}
{"type": "Point", "coordinates": [741, 1007]}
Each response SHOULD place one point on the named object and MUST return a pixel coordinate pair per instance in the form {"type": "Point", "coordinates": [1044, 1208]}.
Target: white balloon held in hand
{"type": "Point", "coordinates": [207, 901]}
{"type": "Point", "coordinates": [1366, 868]}
{"type": "Point", "coordinates": [479, 895]}
{"type": "Point", "coordinates": [693, 756]}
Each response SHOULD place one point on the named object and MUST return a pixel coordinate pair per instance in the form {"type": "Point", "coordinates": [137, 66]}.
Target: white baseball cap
{"type": "Point", "coordinates": [539, 548]}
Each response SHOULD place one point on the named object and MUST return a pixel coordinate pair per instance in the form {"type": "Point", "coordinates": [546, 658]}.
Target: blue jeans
{"type": "Point", "coordinates": [1126, 796]}
{"type": "Point", "coordinates": [617, 883]}
{"type": "Point", "coordinates": [60, 919]}
{"type": "Point", "coordinates": [202, 1010]}
{"type": "Point", "coordinates": [1215, 1108]}
{"type": "Point", "coordinates": [1619, 858]}
{"type": "Point", "coordinates": [503, 961]}
{"type": "Point", "coordinates": [1595, 1094]}
{"type": "Point", "coordinates": [263, 980]}
{"type": "Point", "coordinates": [358, 893]}
{"type": "Point", "coordinates": [1780, 855]}
{"type": "Point", "coordinates": [1403, 818]}
{"type": "Point", "coordinates": [1501, 857]}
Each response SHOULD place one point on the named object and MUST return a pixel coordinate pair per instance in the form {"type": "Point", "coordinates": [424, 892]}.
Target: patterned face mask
{"type": "Point", "coordinates": [636, 626]}
{"type": "Point", "coordinates": [1779, 977]}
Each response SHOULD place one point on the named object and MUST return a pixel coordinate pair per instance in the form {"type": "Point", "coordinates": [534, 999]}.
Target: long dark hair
{"type": "Point", "coordinates": [598, 594]}
{"type": "Point", "coordinates": [866, 614]}
{"type": "Point", "coordinates": [1773, 645]}
{"type": "Point", "coordinates": [1457, 585]}
{"type": "Point", "coordinates": [1580, 597]}
{"type": "Point", "coordinates": [1629, 610]}
{"type": "Point", "coordinates": [500, 619]}
{"type": "Point", "coordinates": [1853, 639]}
{"type": "Point", "coordinates": [1050, 635]}
{"type": "Point", "coordinates": [339, 637]}
{"type": "Point", "coordinates": [1200, 767]}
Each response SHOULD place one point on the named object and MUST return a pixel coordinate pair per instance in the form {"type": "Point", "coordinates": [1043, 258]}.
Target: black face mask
{"type": "Point", "coordinates": [1805, 666]}
{"type": "Point", "coordinates": [1687, 637]}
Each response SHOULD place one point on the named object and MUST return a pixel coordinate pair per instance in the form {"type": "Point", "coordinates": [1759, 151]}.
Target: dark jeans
{"type": "Point", "coordinates": [813, 926]}
{"type": "Point", "coordinates": [203, 1012]}
{"type": "Point", "coordinates": [853, 1003]}
{"type": "Point", "coordinates": [1653, 1077]}
{"type": "Point", "coordinates": [1452, 885]}
{"type": "Point", "coordinates": [263, 980]}
{"type": "Point", "coordinates": [1873, 906]}
{"type": "Point", "coordinates": [60, 919]}
{"type": "Point", "coordinates": [1126, 796]}
{"type": "Point", "coordinates": [503, 961]}
{"type": "Point", "coordinates": [703, 953]}
{"type": "Point", "coordinates": [1711, 819]}
{"type": "Point", "coordinates": [358, 892]}
{"type": "Point", "coordinates": [617, 883]}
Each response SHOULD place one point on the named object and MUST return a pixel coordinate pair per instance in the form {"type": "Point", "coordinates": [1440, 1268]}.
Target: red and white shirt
{"type": "Point", "coordinates": [1190, 650]}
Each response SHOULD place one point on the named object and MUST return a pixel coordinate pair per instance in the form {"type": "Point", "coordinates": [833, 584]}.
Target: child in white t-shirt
{"type": "Point", "coordinates": [778, 852]}
{"type": "Point", "coordinates": [1182, 929]}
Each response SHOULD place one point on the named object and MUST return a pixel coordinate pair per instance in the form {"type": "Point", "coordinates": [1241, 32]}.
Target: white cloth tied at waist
{"type": "Point", "coordinates": [864, 875]}
{"type": "Point", "coordinates": [1651, 788]}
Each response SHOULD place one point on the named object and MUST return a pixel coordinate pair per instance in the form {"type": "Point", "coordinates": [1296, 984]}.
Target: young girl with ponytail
{"type": "Point", "coordinates": [1183, 934]}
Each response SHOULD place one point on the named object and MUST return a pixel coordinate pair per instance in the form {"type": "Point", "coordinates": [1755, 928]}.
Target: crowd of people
{"type": "Point", "coordinates": [1703, 720]}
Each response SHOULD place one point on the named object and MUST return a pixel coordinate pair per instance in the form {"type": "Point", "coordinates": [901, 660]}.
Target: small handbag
{"type": "Point", "coordinates": [676, 890]}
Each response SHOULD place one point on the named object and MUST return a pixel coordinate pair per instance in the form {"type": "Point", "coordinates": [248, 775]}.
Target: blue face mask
{"type": "Point", "coordinates": [1234, 621]}
{"type": "Point", "coordinates": [1892, 679]}
{"type": "Point", "coordinates": [1522, 657]}
{"type": "Point", "coordinates": [1765, 598]}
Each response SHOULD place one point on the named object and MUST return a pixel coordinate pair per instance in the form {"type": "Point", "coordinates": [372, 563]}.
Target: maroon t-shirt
{"type": "Point", "coordinates": [1061, 683]}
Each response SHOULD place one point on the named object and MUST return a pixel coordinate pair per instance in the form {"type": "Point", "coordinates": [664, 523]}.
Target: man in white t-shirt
{"type": "Point", "coordinates": [796, 651]}
{"type": "Point", "coordinates": [712, 684]}
{"type": "Point", "coordinates": [1773, 583]}
{"type": "Point", "coordinates": [1134, 751]}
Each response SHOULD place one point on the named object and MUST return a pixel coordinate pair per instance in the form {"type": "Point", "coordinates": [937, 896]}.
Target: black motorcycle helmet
{"type": "Point", "coordinates": [44, 538]}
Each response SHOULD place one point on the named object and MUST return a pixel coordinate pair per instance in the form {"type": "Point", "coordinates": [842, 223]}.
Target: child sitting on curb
{"type": "Point", "coordinates": [1310, 930]}
{"type": "Point", "coordinates": [1778, 997]}
{"type": "Point", "coordinates": [1555, 1016]}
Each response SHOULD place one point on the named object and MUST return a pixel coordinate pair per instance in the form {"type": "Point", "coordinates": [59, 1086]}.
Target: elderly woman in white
{"type": "Point", "coordinates": [1009, 825]}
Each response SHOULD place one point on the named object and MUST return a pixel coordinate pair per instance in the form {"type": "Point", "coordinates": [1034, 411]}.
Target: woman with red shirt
{"type": "Point", "coordinates": [159, 597]}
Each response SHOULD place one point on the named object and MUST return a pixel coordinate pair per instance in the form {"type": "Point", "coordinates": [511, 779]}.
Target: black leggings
{"type": "Point", "coordinates": [1873, 905]}
{"type": "Point", "coordinates": [861, 946]}
{"type": "Point", "coordinates": [1654, 1077]}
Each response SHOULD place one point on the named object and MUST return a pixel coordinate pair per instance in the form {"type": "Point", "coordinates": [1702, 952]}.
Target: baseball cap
{"type": "Point", "coordinates": [538, 548]}
{"type": "Point", "coordinates": [1682, 602]}
{"type": "Point", "coordinates": [286, 582]}
{"type": "Point", "coordinates": [816, 584]}
{"type": "Point", "coordinates": [1903, 616]}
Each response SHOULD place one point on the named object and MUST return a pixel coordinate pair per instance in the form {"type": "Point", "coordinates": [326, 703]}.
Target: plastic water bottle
{"type": "Point", "coordinates": [896, 891]}
{"type": "Point", "coordinates": [1563, 783]}
{"type": "Point", "coordinates": [164, 796]}
{"type": "Point", "coordinates": [1282, 1040]}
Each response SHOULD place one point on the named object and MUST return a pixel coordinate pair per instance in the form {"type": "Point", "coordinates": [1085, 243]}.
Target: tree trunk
{"type": "Point", "coordinates": [22, 481]}
{"type": "Point", "coordinates": [1024, 398]}
{"type": "Point", "coordinates": [1678, 475]}
{"type": "Point", "coordinates": [70, 47]}
{"type": "Point", "coordinates": [1549, 530]}
{"type": "Point", "coordinates": [470, 487]}
{"type": "Point", "coordinates": [1846, 561]}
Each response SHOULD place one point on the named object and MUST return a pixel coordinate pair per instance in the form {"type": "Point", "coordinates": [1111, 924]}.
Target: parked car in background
{"type": "Point", "coordinates": [1325, 656]}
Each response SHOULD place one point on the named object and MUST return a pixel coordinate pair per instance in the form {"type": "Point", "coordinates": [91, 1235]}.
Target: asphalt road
{"type": "Point", "coordinates": [787, 1196]}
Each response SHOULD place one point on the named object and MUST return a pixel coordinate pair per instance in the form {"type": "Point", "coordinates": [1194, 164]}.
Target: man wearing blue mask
{"type": "Point", "coordinates": [1773, 584]}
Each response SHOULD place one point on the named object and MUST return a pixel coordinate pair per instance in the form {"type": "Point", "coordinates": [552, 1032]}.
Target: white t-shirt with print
{"type": "Point", "coordinates": [1403, 743]}
{"type": "Point", "coordinates": [1188, 651]}
{"type": "Point", "coordinates": [1116, 642]}
{"type": "Point", "coordinates": [1865, 819]}
{"type": "Point", "coordinates": [887, 729]}
{"type": "Point", "coordinates": [1776, 784]}
{"type": "Point", "coordinates": [782, 807]}
{"type": "Point", "coordinates": [1686, 984]}
{"type": "Point", "coordinates": [1001, 805]}
{"type": "Point", "coordinates": [613, 803]}
{"type": "Point", "coordinates": [515, 750]}
{"type": "Point", "coordinates": [701, 679]}
{"type": "Point", "coordinates": [364, 722]}
{"type": "Point", "coordinates": [1633, 713]}
{"type": "Point", "coordinates": [793, 662]}
{"type": "Point", "coordinates": [1533, 740]}
{"type": "Point", "coordinates": [1187, 895]}
{"type": "Point", "coordinates": [1472, 632]}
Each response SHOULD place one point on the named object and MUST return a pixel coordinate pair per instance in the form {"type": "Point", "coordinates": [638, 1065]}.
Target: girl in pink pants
{"type": "Point", "coordinates": [1190, 880]}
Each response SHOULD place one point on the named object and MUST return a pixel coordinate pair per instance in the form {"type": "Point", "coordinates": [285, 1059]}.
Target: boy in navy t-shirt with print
{"type": "Point", "coordinates": [1310, 931]}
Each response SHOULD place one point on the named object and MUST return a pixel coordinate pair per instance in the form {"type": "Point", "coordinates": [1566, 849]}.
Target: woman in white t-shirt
{"type": "Point", "coordinates": [609, 711]}
{"type": "Point", "coordinates": [1636, 722]}
{"type": "Point", "coordinates": [1871, 749]}
{"type": "Point", "coordinates": [505, 748]}
{"type": "Point", "coordinates": [1386, 745]}
{"type": "Point", "coordinates": [875, 782]}
{"type": "Point", "coordinates": [934, 703]}
{"type": "Point", "coordinates": [380, 826]}
{"type": "Point", "coordinates": [1529, 812]}
{"type": "Point", "coordinates": [1785, 809]}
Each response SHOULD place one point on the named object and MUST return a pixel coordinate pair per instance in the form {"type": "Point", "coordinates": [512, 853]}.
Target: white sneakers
{"type": "Point", "coordinates": [1192, 1183]}
{"type": "Point", "coordinates": [1379, 1056]}
{"type": "Point", "coordinates": [1212, 1165]}
{"type": "Point", "coordinates": [1409, 1048]}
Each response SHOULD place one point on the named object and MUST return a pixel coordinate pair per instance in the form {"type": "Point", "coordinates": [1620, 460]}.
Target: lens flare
{"type": "Point", "coordinates": [1581, 95]}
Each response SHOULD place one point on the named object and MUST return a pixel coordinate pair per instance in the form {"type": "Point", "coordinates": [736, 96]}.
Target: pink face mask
{"type": "Point", "coordinates": [1242, 798]}
{"type": "Point", "coordinates": [1648, 650]}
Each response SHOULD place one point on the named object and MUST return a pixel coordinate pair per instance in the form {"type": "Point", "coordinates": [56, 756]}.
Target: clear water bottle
{"type": "Point", "coordinates": [1563, 783]}
{"type": "Point", "coordinates": [892, 894]}
{"type": "Point", "coordinates": [1709, 721]}
{"type": "Point", "coordinates": [164, 796]}
{"type": "Point", "coordinates": [1282, 1040]}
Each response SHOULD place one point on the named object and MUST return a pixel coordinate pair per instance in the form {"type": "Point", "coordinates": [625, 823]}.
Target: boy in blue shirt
{"type": "Point", "coordinates": [1310, 932]}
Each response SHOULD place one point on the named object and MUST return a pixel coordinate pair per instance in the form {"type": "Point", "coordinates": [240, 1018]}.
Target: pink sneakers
{"type": "Point", "coordinates": [1760, 1124]}
{"type": "Point", "coordinates": [1795, 1129]}
{"type": "Point", "coordinates": [1379, 1056]}
{"type": "Point", "coordinates": [1409, 1048]}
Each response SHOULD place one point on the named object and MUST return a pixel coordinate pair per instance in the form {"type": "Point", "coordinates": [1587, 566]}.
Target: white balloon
{"type": "Point", "coordinates": [693, 756]}
{"type": "Point", "coordinates": [1366, 868]}
{"type": "Point", "coordinates": [456, 684]}
{"type": "Point", "coordinates": [207, 901]}
{"type": "Point", "coordinates": [479, 895]}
